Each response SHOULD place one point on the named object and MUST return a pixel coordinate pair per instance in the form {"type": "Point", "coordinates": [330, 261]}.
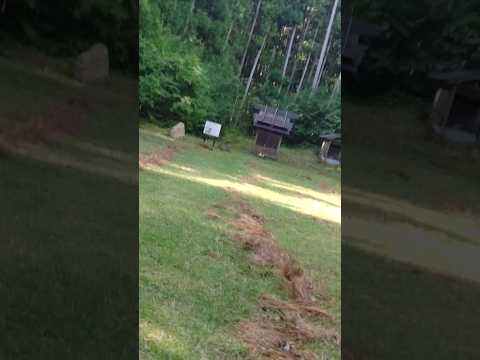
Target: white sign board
{"type": "Point", "coordinates": [212, 129]}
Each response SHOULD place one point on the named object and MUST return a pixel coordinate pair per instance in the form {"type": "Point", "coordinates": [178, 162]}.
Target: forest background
{"type": "Point", "coordinates": [215, 60]}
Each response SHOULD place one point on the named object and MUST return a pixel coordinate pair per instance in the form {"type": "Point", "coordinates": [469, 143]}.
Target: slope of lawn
{"type": "Point", "coordinates": [67, 235]}
{"type": "Point", "coordinates": [195, 283]}
{"type": "Point", "coordinates": [418, 210]}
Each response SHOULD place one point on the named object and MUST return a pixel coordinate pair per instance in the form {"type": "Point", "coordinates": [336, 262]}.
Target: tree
{"type": "Point", "coordinates": [307, 63]}
{"type": "Point", "coordinates": [250, 34]}
{"type": "Point", "coordinates": [190, 13]}
{"type": "Point", "coordinates": [252, 72]}
{"type": "Point", "coordinates": [300, 47]}
{"type": "Point", "coordinates": [289, 52]}
{"type": "Point", "coordinates": [321, 58]}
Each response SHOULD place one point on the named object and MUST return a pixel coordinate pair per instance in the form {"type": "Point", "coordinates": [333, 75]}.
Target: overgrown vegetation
{"type": "Point", "coordinates": [203, 59]}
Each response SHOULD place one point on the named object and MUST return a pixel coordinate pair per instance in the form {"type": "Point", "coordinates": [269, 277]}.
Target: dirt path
{"type": "Point", "coordinates": [444, 243]}
{"type": "Point", "coordinates": [452, 221]}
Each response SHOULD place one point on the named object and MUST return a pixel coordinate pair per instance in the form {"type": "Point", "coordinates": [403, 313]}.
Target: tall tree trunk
{"type": "Point", "coordinates": [225, 44]}
{"type": "Point", "coordinates": [299, 88]}
{"type": "Point", "coordinates": [274, 54]}
{"type": "Point", "coordinates": [336, 88]}
{"type": "Point", "coordinates": [232, 113]}
{"type": "Point", "coordinates": [307, 64]}
{"type": "Point", "coordinates": [289, 52]}
{"type": "Point", "coordinates": [312, 71]}
{"type": "Point", "coordinates": [287, 58]}
{"type": "Point", "coordinates": [190, 14]}
{"type": "Point", "coordinates": [300, 48]}
{"type": "Point", "coordinates": [272, 59]}
{"type": "Point", "coordinates": [244, 57]}
{"type": "Point", "coordinates": [324, 64]}
{"type": "Point", "coordinates": [292, 76]}
{"type": "Point", "coordinates": [321, 59]}
{"type": "Point", "coordinates": [252, 72]}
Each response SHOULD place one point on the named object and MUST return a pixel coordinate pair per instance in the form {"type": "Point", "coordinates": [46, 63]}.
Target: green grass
{"type": "Point", "coordinates": [195, 283]}
{"type": "Point", "coordinates": [68, 282]}
{"type": "Point", "coordinates": [399, 156]}
{"type": "Point", "coordinates": [394, 310]}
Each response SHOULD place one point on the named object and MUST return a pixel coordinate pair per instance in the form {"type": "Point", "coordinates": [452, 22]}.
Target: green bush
{"type": "Point", "coordinates": [320, 113]}
{"type": "Point", "coordinates": [174, 84]}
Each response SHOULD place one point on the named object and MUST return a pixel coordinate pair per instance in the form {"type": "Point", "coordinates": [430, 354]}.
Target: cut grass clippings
{"type": "Point", "coordinates": [198, 286]}
{"type": "Point", "coordinates": [284, 327]}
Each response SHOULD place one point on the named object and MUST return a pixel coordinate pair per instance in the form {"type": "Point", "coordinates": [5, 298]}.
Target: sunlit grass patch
{"type": "Point", "coordinates": [195, 283]}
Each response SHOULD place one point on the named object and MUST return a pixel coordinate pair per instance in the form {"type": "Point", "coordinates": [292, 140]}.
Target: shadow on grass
{"type": "Point", "coordinates": [68, 281]}
{"type": "Point", "coordinates": [388, 306]}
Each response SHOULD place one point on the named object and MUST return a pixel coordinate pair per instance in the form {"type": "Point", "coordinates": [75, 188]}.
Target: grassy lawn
{"type": "Point", "coordinates": [67, 235]}
{"type": "Point", "coordinates": [413, 190]}
{"type": "Point", "coordinates": [196, 284]}
{"type": "Point", "coordinates": [399, 156]}
{"type": "Point", "coordinates": [392, 306]}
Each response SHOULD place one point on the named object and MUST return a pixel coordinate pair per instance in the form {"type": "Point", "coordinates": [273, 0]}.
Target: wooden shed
{"type": "Point", "coordinates": [331, 149]}
{"type": "Point", "coordinates": [271, 125]}
{"type": "Point", "coordinates": [456, 106]}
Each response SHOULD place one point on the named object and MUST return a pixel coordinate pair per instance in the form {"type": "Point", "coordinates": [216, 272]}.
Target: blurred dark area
{"type": "Point", "coordinates": [410, 175]}
{"type": "Point", "coordinates": [66, 28]}
{"type": "Point", "coordinates": [68, 179]}
{"type": "Point", "coordinates": [399, 45]}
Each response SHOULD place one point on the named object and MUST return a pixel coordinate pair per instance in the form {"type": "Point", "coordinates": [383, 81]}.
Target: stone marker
{"type": "Point", "coordinates": [92, 64]}
{"type": "Point", "coordinates": [178, 131]}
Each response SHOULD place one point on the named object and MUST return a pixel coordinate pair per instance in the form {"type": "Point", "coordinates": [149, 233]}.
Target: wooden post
{"type": "Point", "coordinates": [442, 106]}
{"type": "Point", "coordinates": [278, 145]}
{"type": "Point", "coordinates": [324, 149]}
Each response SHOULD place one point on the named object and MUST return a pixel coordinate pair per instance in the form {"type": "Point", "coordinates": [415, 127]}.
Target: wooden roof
{"type": "Point", "coordinates": [333, 137]}
{"type": "Point", "coordinates": [274, 119]}
{"type": "Point", "coordinates": [458, 76]}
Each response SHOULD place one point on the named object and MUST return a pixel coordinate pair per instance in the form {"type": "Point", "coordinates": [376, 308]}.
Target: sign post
{"type": "Point", "coordinates": [211, 129]}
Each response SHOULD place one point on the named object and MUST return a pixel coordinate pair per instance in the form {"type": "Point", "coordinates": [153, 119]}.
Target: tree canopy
{"type": "Point", "coordinates": [215, 59]}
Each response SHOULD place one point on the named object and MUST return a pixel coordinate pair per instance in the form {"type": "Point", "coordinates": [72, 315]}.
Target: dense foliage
{"type": "Point", "coordinates": [204, 59]}
{"type": "Point", "coordinates": [67, 27]}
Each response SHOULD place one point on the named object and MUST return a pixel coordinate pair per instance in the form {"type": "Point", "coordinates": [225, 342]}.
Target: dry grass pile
{"type": "Point", "coordinates": [284, 326]}
{"type": "Point", "coordinates": [67, 118]}
{"type": "Point", "coordinates": [158, 158]}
